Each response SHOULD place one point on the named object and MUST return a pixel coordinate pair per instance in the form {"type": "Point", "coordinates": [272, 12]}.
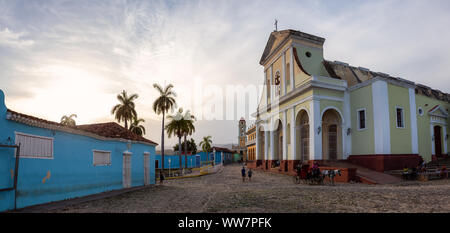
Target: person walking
{"type": "Point", "coordinates": [243, 174]}
{"type": "Point", "coordinates": [161, 178]}
{"type": "Point", "coordinates": [250, 173]}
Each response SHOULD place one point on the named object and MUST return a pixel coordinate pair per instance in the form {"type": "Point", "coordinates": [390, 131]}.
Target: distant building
{"type": "Point", "coordinates": [251, 143]}
{"type": "Point", "coordinates": [241, 148]}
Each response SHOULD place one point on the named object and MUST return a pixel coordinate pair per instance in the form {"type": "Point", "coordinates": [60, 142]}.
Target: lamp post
{"type": "Point", "coordinates": [169, 167]}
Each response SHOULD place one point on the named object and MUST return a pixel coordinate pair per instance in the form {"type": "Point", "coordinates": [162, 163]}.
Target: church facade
{"type": "Point", "coordinates": [313, 109]}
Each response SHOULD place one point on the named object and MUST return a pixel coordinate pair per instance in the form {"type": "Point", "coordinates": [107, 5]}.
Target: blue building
{"type": "Point", "coordinates": [217, 155]}
{"type": "Point", "coordinates": [58, 162]}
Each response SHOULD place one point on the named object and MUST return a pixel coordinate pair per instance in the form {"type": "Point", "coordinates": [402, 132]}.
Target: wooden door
{"type": "Point", "coordinates": [437, 141]}
{"type": "Point", "coordinates": [332, 142]}
{"type": "Point", "coordinates": [126, 172]}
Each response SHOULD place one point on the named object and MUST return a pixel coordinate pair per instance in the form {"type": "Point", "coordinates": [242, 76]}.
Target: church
{"type": "Point", "coordinates": [313, 109]}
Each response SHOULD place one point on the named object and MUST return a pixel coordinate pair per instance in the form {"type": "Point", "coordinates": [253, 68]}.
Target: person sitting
{"type": "Point", "coordinates": [413, 174]}
{"type": "Point", "coordinates": [405, 172]}
{"type": "Point", "coordinates": [299, 170]}
{"type": "Point", "coordinates": [315, 169]}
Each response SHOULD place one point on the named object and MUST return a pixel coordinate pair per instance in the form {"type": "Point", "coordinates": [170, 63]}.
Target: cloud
{"type": "Point", "coordinates": [108, 46]}
{"type": "Point", "coordinates": [9, 38]}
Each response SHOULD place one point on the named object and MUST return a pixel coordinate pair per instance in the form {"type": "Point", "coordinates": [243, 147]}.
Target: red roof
{"type": "Point", "coordinates": [109, 130]}
{"type": "Point", "coordinates": [112, 130]}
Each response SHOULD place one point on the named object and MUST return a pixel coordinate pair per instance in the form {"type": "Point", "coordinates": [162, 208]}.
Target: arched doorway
{"type": "Point", "coordinates": [278, 143]}
{"type": "Point", "coordinates": [331, 136]}
{"type": "Point", "coordinates": [302, 139]}
{"type": "Point", "coordinates": [437, 141]}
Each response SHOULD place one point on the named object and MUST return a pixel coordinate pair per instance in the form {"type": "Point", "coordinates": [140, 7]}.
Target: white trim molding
{"type": "Point", "coordinates": [413, 121]}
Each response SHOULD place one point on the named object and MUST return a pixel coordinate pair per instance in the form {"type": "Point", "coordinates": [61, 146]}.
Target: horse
{"type": "Point", "coordinates": [331, 174]}
{"type": "Point", "coordinates": [314, 177]}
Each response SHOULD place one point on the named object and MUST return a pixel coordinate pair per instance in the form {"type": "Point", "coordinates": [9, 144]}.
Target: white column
{"type": "Point", "coordinates": [266, 144]}
{"type": "Point", "coordinates": [272, 92]}
{"type": "Point", "coordinates": [315, 143]}
{"type": "Point", "coordinates": [272, 145]}
{"type": "Point", "coordinates": [433, 152]}
{"type": "Point", "coordinates": [284, 136]}
{"type": "Point", "coordinates": [347, 125]}
{"type": "Point", "coordinates": [291, 69]}
{"type": "Point", "coordinates": [265, 91]}
{"type": "Point", "coordinates": [382, 134]}
{"type": "Point", "coordinates": [293, 134]}
{"type": "Point", "coordinates": [283, 70]}
{"type": "Point", "coordinates": [444, 133]}
{"type": "Point", "coordinates": [413, 117]}
{"type": "Point", "coordinates": [257, 142]}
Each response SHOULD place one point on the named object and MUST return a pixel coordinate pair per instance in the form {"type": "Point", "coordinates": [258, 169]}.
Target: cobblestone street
{"type": "Point", "coordinates": [225, 192]}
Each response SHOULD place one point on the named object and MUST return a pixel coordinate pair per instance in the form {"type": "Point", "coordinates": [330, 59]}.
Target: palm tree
{"type": "Point", "coordinates": [68, 120]}
{"type": "Point", "coordinates": [135, 126]}
{"type": "Point", "coordinates": [188, 129]}
{"type": "Point", "coordinates": [175, 127]}
{"type": "Point", "coordinates": [125, 110]}
{"type": "Point", "coordinates": [164, 103]}
{"type": "Point", "coordinates": [206, 145]}
{"type": "Point", "coordinates": [192, 146]}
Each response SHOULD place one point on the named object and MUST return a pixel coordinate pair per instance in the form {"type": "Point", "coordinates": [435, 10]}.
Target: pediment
{"type": "Point", "coordinates": [438, 111]}
{"type": "Point", "coordinates": [275, 40]}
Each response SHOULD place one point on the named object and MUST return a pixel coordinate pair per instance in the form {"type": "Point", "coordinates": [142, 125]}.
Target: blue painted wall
{"type": "Point", "coordinates": [192, 161]}
{"type": "Point", "coordinates": [175, 161]}
{"type": "Point", "coordinates": [72, 173]}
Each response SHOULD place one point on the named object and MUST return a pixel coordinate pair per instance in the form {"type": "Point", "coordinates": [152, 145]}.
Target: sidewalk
{"type": "Point", "coordinates": [75, 201]}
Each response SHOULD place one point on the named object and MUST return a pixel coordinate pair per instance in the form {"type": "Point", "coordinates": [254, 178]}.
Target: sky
{"type": "Point", "coordinates": [63, 57]}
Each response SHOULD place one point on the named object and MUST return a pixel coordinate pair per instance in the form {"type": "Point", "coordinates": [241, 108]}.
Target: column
{"type": "Point", "coordinates": [284, 156]}
{"type": "Point", "coordinates": [266, 144]}
{"type": "Point", "coordinates": [291, 67]}
{"type": "Point", "coordinates": [413, 117]}
{"type": "Point", "coordinates": [257, 142]}
{"type": "Point", "coordinates": [315, 137]}
{"type": "Point", "coordinates": [267, 93]}
{"type": "Point", "coordinates": [272, 147]}
{"type": "Point", "coordinates": [293, 135]}
{"type": "Point", "coordinates": [382, 135]}
{"type": "Point", "coordinates": [444, 133]}
{"type": "Point", "coordinates": [433, 138]}
{"type": "Point", "coordinates": [283, 70]}
{"type": "Point", "coordinates": [271, 85]}
{"type": "Point", "coordinates": [347, 138]}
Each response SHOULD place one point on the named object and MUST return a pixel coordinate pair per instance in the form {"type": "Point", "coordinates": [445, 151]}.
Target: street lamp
{"type": "Point", "coordinates": [169, 167]}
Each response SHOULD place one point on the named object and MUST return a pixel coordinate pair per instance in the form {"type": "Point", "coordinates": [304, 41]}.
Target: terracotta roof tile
{"type": "Point", "coordinates": [109, 130]}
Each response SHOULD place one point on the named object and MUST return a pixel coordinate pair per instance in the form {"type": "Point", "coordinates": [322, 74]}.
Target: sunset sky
{"type": "Point", "coordinates": [64, 57]}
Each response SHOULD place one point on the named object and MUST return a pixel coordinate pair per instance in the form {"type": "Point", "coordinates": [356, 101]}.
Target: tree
{"type": "Point", "coordinates": [68, 120]}
{"type": "Point", "coordinates": [164, 103]}
{"type": "Point", "coordinates": [176, 127]}
{"type": "Point", "coordinates": [135, 126]}
{"type": "Point", "coordinates": [191, 146]}
{"type": "Point", "coordinates": [124, 111]}
{"type": "Point", "coordinates": [206, 145]}
{"type": "Point", "coordinates": [188, 129]}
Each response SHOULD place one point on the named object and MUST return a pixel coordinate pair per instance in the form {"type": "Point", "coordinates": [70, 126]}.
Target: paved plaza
{"type": "Point", "coordinates": [225, 192]}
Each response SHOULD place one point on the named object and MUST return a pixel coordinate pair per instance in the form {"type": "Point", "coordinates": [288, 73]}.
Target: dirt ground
{"type": "Point", "coordinates": [273, 193]}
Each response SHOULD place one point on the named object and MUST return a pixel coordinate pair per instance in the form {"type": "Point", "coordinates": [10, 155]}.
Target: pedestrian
{"type": "Point", "coordinates": [161, 178]}
{"type": "Point", "coordinates": [243, 174]}
{"type": "Point", "coordinates": [250, 173]}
